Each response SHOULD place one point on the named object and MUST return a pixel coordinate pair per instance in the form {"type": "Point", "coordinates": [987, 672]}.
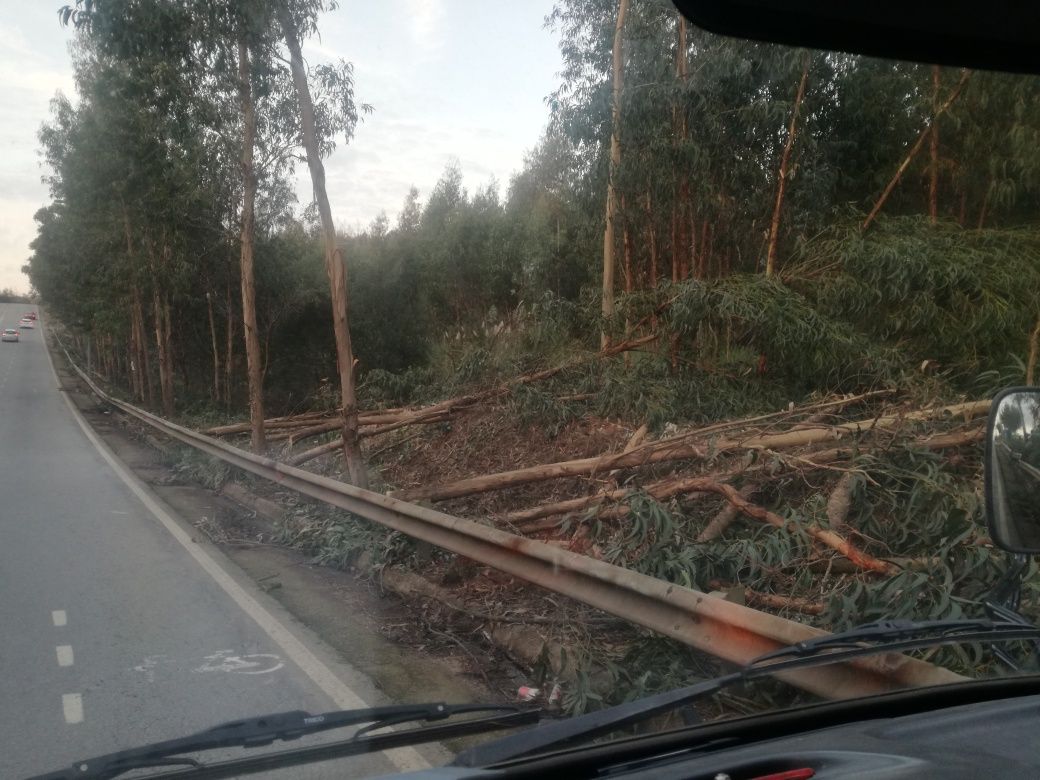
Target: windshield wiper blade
{"type": "Point", "coordinates": [882, 631]}
{"type": "Point", "coordinates": [264, 730]}
{"type": "Point", "coordinates": [868, 639]}
{"type": "Point", "coordinates": [373, 743]}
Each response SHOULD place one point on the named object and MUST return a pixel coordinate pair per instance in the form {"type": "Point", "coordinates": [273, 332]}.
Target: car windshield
{"type": "Point", "coordinates": [655, 350]}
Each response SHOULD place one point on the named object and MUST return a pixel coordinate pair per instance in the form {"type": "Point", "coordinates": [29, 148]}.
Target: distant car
{"type": "Point", "coordinates": [9, 334]}
{"type": "Point", "coordinates": [26, 323]}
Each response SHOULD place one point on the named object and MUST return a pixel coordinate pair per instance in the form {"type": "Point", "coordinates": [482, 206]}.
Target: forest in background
{"type": "Point", "coordinates": [786, 220]}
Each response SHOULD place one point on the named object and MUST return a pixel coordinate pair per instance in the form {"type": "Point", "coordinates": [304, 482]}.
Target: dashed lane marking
{"type": "Point", "coordinates": [406, 758]}
{"type": "Point", "coordinates": [64, 653]}
{"type": "Point", "coordinates": [72, 706]}
{"type": "Point", "coordinates": [59, 617]}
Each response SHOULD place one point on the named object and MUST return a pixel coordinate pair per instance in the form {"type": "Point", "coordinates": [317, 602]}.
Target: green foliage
{"type": "Point", "coordinates": [965, 298]}
{"type": "Point", "coordinates": [801, 345]}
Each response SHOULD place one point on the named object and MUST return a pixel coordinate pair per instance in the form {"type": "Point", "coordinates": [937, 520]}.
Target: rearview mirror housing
{"type": "Point", "coordinates": [1012, 470]}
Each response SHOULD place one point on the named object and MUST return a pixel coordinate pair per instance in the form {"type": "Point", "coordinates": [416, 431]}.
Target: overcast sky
{"type": "Point", "coordinates": [462, 79]}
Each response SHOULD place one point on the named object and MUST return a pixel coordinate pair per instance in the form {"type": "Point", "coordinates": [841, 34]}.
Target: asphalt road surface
{"type": "Point", "coordinates": [113, 631]}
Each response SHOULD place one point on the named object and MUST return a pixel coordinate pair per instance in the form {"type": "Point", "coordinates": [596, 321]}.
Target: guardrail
{"type": "Point", "coordinates": [729, 631]}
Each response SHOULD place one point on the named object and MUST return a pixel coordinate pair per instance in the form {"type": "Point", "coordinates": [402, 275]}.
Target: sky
{"type": "Point", "coordinates": [448, 80]}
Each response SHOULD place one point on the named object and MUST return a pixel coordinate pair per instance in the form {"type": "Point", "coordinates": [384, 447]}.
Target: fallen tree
{"type": "Point", "coordinates": [681, 448]}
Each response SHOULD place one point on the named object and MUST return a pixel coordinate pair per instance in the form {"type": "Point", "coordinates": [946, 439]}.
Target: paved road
{"type": "Point", "coordinates": [112, 633]}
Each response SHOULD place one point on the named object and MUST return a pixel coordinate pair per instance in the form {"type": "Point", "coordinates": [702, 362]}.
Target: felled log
{"type": "Point", "coordinates": [669, 451]}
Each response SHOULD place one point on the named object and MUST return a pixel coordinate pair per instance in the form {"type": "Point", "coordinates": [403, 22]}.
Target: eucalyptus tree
{"type": "Point", "coordinates": [319, 123]}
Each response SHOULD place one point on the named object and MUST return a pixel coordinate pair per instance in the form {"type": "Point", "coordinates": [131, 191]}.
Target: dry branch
{"type": "Point", "coordinates": [826, 537]}
{"type": "Point", "coordinates": [710, 485]}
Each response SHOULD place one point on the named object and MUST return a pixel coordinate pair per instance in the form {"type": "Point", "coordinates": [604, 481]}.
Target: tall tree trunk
{"type": "Point", "coordinates": [651, 238]}
{"type": "Point", "coordinates": [684, 241]}
{"type": "Point", "coordinates": [707, 243]}
{"type": "Point", "coordinates": [165, 380]}
{"type": "Point", "coordinates": [334, 262]}
{"type": "Point", "coordinates": [626, 244]}
{"type": "Point", "coordinates": [785, 161]}
{"type": "Point", "coordinates": [254, 368]}
{"type": "Point", "coordinates": [160, 312]}
{"type": "Point", "coordinates": [676, 241]}
{"type": "Point", "coordinates": [142, 344]}
{"type": "Point", "coordinates": [651, 229]}
{"type": "Point", "coordinates": [167, 335]}
{"type": "Point", "coordinates": [673, 342]}
{"type": "Point", "coordinates": [617, 68]}
{"type": "Point", "coordinates": [698, 260]}
{"type": "Point", "coordinates": [139, 346]}
{"type": "Point", "coordinates": [229, 347]}
{"type": "Point", "coordinates": [914, 149]}
{"type": "Point", "coordinates": [134, 367]}
{"type": "Point", "coordinates": [213, 347]}
{"type": "Point", "coordinates": [933, 163]}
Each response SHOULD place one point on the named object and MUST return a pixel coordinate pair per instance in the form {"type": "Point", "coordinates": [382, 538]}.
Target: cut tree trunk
{"type": "Point", "coordinates": [254, 362]}
{"type": "Point", "coordinates": [334, 262]}
{"type": "Point", "coordinates": [617, 70]}
{"type": "Point", "coordinates": [781, 178]}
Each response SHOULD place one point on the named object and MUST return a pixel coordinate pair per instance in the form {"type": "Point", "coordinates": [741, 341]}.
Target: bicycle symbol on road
{"type": "Point", "coordinates": [221, 661]}
{"type": "Point", "coordinates": [250, 663]}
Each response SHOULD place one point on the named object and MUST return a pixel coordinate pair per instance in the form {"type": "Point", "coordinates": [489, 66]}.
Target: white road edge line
{"type": "Point", "coordinates": [407, 759]}
{"type": "Point", "coordinates": [72, 706]}
{"type": "Point", "coordinates": [64, 653]}
{"type": "Point", "coordinates": [59, 617]}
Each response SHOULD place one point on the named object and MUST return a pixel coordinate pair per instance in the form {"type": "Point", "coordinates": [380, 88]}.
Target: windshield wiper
{"type": "Point", "coordinates": [266, 729]}
{"type": "Point", "coordinates": [882, 636]}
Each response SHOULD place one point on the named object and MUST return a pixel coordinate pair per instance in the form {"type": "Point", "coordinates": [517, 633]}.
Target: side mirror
{"type": "Point", "coordinates": [1012, 478]}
